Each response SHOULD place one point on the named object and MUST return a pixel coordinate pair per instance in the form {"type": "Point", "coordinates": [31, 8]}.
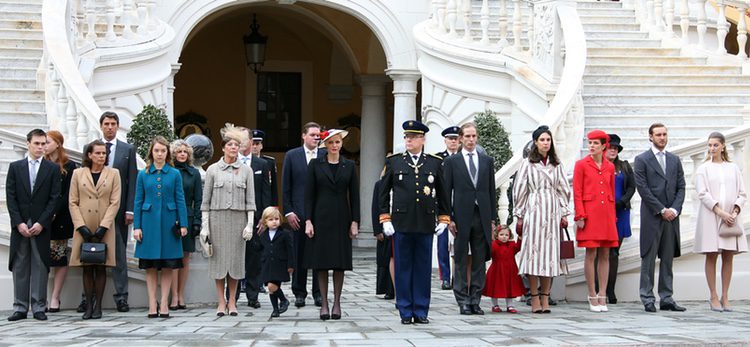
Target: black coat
{"type": "Point", "coordinates": [192, 185]}
{"type": "Point", "coordinates": [331, 204]}
{"type": "Point", "coordinates": [277, 255]}
{"type": "Point", "coordinates": [62, 224]}
{"type": "Point", "coordinates": [37, 207]}
{"type": "Point", "coordinates": [262, 183]}
{"type": "Point", "coordinates": [629, 189]}
{"type": "Point", "coordinates": [466, 196]}
{"type": "Point", "coordinates": [274, 179]}
{"type": "Point", "coordinates": [414, 210]}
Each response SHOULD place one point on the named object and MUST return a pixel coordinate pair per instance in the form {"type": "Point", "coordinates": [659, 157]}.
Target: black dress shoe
{"type": "Point", "coordinates": [318, 302]}
{"type": "Point", "coordinates": [475, 309]}
{"type": "Point", "coordinates": [612, 300]}
{"type": "Point", "coordinates": [17, 316]}
{"type": "Point", "coordinates": [465, 309]}
{"type": "Point", "coordinates": [122, 306]}
{"type": "Point", "coordinates": [254, 304]}
{"type": "Point", "coordinates": [81, 307]}
{"type": "Point", "coordinates": [283, 306]}
{"type": "Point", "coordinates": [275, 313]}
{"type": "Point", "coordinates": [163, 315]}
{"type": "Point", "coordinates": [650, 307]}
{"type": "Point", "coordinates": [299, 302]}
{"type": "Point", "coordinates": [388, 297]}
{"type": "Point", "coordinates": [39, 316]}
{"type": "Point", "coordinates": [446, 285]}
{"type": "Point", "coordinates": [405, 320]}
{"type": "Point", "coordinates": [421, 320]}
{"type": "Point", "coordinates": [672, 306]}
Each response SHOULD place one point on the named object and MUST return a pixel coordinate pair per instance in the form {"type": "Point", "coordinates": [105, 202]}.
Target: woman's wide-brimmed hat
{"type": "Point", "coordinates": [327, 134]}
{"type": "Point", "coordinates": [614, 142]}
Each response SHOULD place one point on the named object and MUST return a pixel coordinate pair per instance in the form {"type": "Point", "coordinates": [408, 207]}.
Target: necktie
{"type": "Point", "coordinates": [109, 150]}
{"type": "Point", "coordinates": [472, 168]}
{"type": "Point", "coordinates": [414, 157]}
{"type": "Point", "coordinates": [32, 173]}
{"type": "Point", "coordinates": [662, 162]}
{"type": "Point", "coordinates": [309, 156]}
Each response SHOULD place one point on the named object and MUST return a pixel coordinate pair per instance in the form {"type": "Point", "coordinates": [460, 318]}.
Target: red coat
{"type": "Point", "coordinates": [594, 198]}
{"type": "Point", "coordinates": [503, 280]}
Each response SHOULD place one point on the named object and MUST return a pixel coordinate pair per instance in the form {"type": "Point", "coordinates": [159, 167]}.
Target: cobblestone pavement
{"type": "Point", "coordinates": [368, 320]}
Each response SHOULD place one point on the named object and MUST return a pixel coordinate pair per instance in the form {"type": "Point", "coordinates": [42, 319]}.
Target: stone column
{"type": "Point", "coordinates": [404, 99]}
{"type": "Point", "coordinates": [170, 92]}
{"type": "Point", "coordinates": [372, 148]}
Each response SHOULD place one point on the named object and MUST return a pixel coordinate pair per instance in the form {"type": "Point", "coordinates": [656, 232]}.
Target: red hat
{"type": "Point", "coordinates": [598, 134]}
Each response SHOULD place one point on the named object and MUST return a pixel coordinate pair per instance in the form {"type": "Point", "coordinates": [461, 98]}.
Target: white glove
{"type": "Point", "coordinates": [204, 234]}
{"type": "Point", "coordinates": [440, 228]}
{"type": "Point", "coordinates": [247, 233]}
{"type": "Point", "coordinates": [388, 229]}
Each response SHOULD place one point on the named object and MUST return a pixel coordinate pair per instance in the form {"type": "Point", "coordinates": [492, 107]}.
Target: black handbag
{"type": "Point", "coordinates": [93, 253]}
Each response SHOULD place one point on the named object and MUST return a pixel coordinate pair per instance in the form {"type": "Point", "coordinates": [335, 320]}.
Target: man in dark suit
{"type": "Point", "coordinates": [32, 189]}
{"type": "Point", "coordinates": [262, 182]}
{"type": "Point", "coordinates": [293, 179]}
{"type": "Point", "coordinates": [411, 218]}
{"type": "Point", "coordinates": [450, 137]}
{"type": "Point", "coordinates": [470, 177]}
{"type": "Point", "coordinates": [661, 184]}
{"type": "Point", "coordinates": [121, 156]}
{"type": "Point", "coordinates": [258, 136]}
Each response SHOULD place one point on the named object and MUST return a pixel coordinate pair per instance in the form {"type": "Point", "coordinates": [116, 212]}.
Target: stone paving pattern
{"type": "Point", "coordinates": [368, 320]}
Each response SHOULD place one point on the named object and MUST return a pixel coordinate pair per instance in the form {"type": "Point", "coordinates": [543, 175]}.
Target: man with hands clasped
{"type": "Point", "coordinates": [418, 198]}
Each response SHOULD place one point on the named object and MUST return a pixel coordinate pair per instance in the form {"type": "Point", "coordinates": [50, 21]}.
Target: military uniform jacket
{"type": "Point", "coordinates": [418, 194]}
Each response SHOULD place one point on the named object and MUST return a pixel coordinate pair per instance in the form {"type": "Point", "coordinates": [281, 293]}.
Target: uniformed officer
{"type": "Point", "coordinates": [258, 136]}
{"type": "Point", "coordinates": [450, 137]}
{"type": "Point", "coordinates": [418, 205]}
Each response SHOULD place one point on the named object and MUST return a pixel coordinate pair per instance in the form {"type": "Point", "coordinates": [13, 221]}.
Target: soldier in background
{"type": "Point", "coordinates": [450, 136]}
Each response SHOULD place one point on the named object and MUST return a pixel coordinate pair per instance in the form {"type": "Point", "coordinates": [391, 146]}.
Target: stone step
{"type": "Point", "coordinates": [26, 34]}
{"type": "Point", "coordinates": [661, 110]}
{"type": "Point", "coordinates": [21, 94]}
{"type": "Point", "coordinates": [16, 62]}
{"type": "Point", "coordinates": [21, 106]}
{"type": "Point", "coordinates": [614, 18]}
{"type": "Point", "coordinates": [18, 83]}
{"type": "Point", "coordinates": [22, 128]}
{"type": "Point", "coordinates": [22, 52]}
{"type": "Point", "coordinates": [6, 23]}
{"type": "Point", "coordinates": [670, 89]}
{"type": "Point", "coordinates": [21, 14]}
{"type": "Point", "coordinates": [644, 59]}
{"type": "Point", "coordinates": [598, 98]}
{"type": "Point", "coordinates": [611, 26]}
{"type": "Point", "coordinates": [626, 68]}
{"type": "Point", "coordinates": [20, 6]}
{"type": "Point", "coordinates": [621, 42]}
{"type": "Point", "coordinates": [639, 51]}
{"type": "Point", "coordinates": [607, 34]}
{"type": "Point", "coordinates": [21, 43]}
{"type": "Point", "coordinates": [609, 5]}
{"type": "Point", "coordinates": [606, 12]}
{"type": "Point", "coordinates": [23, 117]}
{"type": "Point", "coordinates": [654, 79]}
{"type": "Point", "coordinates": [21, 72]}
{"type": "Point", "coordinates": [707, 119]}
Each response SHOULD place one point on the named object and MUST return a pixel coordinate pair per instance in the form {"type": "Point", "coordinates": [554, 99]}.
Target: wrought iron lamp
{"type": "Point", "coordinates": [255, 46]}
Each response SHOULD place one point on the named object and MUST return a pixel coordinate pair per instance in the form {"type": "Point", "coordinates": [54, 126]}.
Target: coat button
{"type": "Point", "coordinates": [417, 199]}
{"type": "Point", "coordinates": [158, 186]}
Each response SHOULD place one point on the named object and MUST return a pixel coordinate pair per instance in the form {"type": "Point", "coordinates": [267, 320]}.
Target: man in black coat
{"type": "Point", "coordinates": [419, 201]}
{"type": "Point", "coordinates": [32, 189]}
{"type": "Point", "coordinates": [469, 177]}
{"type": "Point", "coordinates": [450, 137]}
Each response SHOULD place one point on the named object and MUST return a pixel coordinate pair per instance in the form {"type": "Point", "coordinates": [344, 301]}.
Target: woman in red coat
{"type": "Point", "coordinates": [594, 197]}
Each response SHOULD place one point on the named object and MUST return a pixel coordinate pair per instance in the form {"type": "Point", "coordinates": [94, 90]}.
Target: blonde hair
{"type": "Point", "coordinates": [269, 212]}
{"type": "Point", "coordinates": [175, 146]}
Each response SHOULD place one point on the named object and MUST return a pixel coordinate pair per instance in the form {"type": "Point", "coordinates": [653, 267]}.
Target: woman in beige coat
{"type": "Point", "coordinates": [94, 201]}
{"type": "Point", "coordinates": [722, 194]}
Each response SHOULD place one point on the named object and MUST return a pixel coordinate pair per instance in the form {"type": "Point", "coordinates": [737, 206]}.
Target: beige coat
{"type": "Point", "coordinates": [94, 206]}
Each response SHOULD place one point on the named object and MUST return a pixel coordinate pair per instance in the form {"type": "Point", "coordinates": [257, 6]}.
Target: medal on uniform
{"type": "Point", "coordinates": [400, 177]}
{"type": "Point", "coordinates": [430, 179]}
{"type": "Point", "coordinates": [426, 190]}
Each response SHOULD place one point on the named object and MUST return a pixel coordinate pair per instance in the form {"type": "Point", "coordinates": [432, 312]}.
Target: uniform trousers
{"type": "Point", "coordinates": [29, 278]}
{"type": "Point", "coordinates": [664, 246]}
{"type": "Point", "coordinates": [443, 257]}
{"type": "Point", "coordinates": [413, 264]}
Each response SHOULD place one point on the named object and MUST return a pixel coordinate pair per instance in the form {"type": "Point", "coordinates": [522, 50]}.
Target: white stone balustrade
{"type": "Point", "coordinates": [113, 20]}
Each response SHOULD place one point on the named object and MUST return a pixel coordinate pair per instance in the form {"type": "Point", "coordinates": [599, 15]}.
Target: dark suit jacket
{"type": "Point", "coordinates": [262, 184]}
{"type": "Point", "coordinates": [658, 191]}
{"type": "Point", "coordinates": [62, 223]}
{"type": "Point", "coordinates": [277, 255]}
{"type": "Point", "coordinates": [37, 207]}
{"type": "Point", "coordinates": [466, 196]}
{"type": "Point", "coordinates": [274, 180]}
{"type": "Point", "coordinates": [293, 178]}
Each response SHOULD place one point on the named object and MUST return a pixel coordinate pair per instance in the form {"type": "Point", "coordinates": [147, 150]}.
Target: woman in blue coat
{"type": "Point", "coordinates": [159, 223]}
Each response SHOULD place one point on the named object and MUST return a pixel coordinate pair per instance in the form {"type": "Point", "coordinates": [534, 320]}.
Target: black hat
{"type": "Point", "coordinates": [258, 135]}
{"type": "Point", "coordinates": [539, 131]}
{"type": "Point", "coordinates": [414, 127]}
{"type": "Point", "coordinates": [614, 142]}
{"type": "Point", "coordinates": [450, 131]}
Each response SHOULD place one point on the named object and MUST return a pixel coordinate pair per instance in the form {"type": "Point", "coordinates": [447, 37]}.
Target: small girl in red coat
{"type": "Point", "coordinates": [503, 280]}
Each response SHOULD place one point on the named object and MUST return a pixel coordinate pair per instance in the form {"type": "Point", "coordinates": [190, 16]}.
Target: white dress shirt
{"type": "Point", "coordinates": [111, 159]}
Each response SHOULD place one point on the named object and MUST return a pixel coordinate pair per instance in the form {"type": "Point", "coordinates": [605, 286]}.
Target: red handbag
{"type": "Point", "coordinates": [567, 249]}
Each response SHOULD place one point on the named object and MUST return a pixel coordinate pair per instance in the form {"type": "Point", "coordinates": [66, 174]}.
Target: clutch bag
{"type": "Point", "coordinates": [93, 253]}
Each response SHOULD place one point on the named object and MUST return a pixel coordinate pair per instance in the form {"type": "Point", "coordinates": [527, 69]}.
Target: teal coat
{"type": "Point", "coordinates": [159, 203]}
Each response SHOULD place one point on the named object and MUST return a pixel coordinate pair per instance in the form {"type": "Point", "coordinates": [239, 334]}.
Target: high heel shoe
{"type": "Point", "coordinates": [55, 309]}
{"type": "Point", "coordinates": [324, 315]}
{"type": "Point", "coordinates": [602, 308]}
{"type": "Point", "coordinates": [539, 310]}
{"type": "Point", "coordinates": [594, 308]}
{"type": "Point", "coordinates": [724, 307]}
{"type": "Point", "coordinates": [545, 310]}
{"type": "Point", "coordinates": [714, 308]}
{"type": "Point", "coordinates": [154, 315]}
{"type": "Point", "coordinates": [336, 316]}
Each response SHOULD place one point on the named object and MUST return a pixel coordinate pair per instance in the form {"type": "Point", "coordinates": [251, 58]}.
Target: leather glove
{"type": "Point", "coordinates": [440, 228]}
{"type": "Point", "coordinates": [388, 229]}
{"type": "Point", "coordinates": [205, 233]}
{"type": "Point", "coordinates": [196, 230]}
{"type": "Point", "coordinates": [100, 231]}
{"type": "Point", "coordinates": [247, 233]}
{"type": "Point", "coordinates": [85, 233]}
{"type": "Point", "coordinates": [619, 205]}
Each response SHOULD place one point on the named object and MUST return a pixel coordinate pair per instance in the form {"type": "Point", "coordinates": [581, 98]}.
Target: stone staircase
{"type": "Point", "coordinates": [631, 82]}
{"type": "Point", "coordinates": [21, 101]}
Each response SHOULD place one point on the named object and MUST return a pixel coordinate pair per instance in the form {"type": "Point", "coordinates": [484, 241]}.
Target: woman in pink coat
{"type": "Point", "coordinates": [722, 195]}
{"type": "Point", "coordinates": [594, 198]}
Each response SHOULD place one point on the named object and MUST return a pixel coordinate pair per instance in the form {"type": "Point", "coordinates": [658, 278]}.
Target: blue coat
{"type": "Point", "coordinates": [159, 203]}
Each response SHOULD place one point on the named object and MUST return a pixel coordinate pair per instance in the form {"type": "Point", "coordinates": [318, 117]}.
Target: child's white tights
{"type": "Point", "coordinates": [508, 302]}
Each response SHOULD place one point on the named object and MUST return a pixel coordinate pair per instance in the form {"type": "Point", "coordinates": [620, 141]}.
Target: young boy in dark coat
{"type": "Point", "coordinates": [277, 257]}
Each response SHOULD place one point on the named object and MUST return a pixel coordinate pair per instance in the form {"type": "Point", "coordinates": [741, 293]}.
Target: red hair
{"type": "Point", "coordinates": [62, 157]}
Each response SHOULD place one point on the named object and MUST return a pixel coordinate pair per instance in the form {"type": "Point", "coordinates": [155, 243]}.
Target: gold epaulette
{"type": "Point", "coordinates": [435, 156]}
{"type": "Point", "coordinates": [395, 154]}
